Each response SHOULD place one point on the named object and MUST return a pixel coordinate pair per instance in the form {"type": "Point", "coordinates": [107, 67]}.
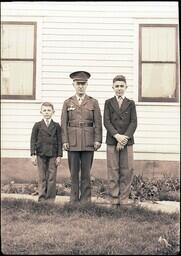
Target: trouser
{"type": "Point", "coordinates": [120, 172]}
{"type": "Point", "coordinates": [47, 170]}
{"type": "Point", "coordinates": [80, 160]}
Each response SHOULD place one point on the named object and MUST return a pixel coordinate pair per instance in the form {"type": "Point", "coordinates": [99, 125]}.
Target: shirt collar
{"type": "Point", "coordinates": [123, 96]}
{"type": "Point", "coordinates": [78, 97]}
{"type": "Point", "coordinates": [48, 120]}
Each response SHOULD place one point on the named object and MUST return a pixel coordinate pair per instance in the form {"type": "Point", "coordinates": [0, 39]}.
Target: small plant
{"type": "Point", "coordinates": [142, 188]}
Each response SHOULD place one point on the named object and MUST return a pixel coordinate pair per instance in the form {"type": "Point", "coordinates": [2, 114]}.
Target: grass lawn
{"type": "Point", "coordinates": [28, 227]}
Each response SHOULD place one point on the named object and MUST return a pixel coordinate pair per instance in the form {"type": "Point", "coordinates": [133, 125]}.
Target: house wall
{"type": "Point", "coordinates": [102, 38]}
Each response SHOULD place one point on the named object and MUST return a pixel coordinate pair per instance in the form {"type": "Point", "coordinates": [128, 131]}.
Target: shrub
{"type": "Point", "coordinates": [142, 188]}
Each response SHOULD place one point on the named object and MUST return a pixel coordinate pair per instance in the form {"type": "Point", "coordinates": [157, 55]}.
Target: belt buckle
{"type": "Point", "coordinates": [81, 124]}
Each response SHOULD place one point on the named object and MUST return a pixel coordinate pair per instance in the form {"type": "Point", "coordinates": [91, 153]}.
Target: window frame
{"type": "Point", "coordinates": [140, 62]}
{"type": "Point", "coordinates": [34, 61]}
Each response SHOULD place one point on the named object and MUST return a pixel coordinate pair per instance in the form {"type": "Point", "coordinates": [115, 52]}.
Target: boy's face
{"type": "Point", "coordinates": [119, 88]}
{"type": "Point", "coordinates": [80, 87]}
{"type": "Point", "coordinates": [47, 112]}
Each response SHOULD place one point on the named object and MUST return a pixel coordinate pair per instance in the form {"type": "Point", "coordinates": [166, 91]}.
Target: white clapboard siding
{"type": "Point", "coordinates": [98, 37]}
{"type": "Point", "coordinates": [92, 10]}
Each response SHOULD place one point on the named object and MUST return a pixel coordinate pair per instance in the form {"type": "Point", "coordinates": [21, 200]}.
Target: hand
{"type": "Point", "coordinates": [34, 160]}
{"type": "Point", "coordinates": [119, 146]}
{"type": "Point", "coordinates": [97, 145]}
{"type": "Point", "coordinates": [58, 160]}
{"type": "Point", "coordinates": [66, 146]}
{"type": "Point", "coordinates": [122, 139]}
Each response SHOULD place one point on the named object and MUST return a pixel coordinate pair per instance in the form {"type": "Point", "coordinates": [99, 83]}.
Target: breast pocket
{"type": "Point", "coordinates": [89, 112]}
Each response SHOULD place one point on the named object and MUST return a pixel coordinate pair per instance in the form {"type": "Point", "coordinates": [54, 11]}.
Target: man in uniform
{"type": "Point", "coordinates": [81, 124]}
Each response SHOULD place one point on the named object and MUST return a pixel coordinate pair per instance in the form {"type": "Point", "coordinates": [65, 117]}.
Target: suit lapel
{"type": "Point", "coordinates": [49, 128]}
{"type": "Point", "coordinates": [115, 105]}
{"type": "Point", "coordinates": [124, 105]}
{"type": "Point", "coordinates": [43, 125]}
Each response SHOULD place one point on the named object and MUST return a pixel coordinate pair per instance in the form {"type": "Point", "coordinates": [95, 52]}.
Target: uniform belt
{"type": "Point", "coordinates": [80, 124]}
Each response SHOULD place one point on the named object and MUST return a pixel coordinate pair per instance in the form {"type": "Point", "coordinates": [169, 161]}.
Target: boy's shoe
{"type": "Point", "coordinates": [115, 203]}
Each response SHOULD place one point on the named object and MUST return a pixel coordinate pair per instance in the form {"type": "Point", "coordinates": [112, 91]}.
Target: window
{"type": "Point", "coordinates": [18, 60]}
{"type": "Point", "coordinates": [158, 63]}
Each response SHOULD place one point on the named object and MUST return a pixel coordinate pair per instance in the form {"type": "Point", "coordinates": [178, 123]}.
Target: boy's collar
{"type": "Point", "coordinates": [48, 120]}
{"type": "Point", "coordinates": [123, 96]}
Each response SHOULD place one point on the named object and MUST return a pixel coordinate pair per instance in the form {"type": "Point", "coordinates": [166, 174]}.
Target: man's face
{"type": "Point", "coordinates": [119, 88]}
{"type": "Point", "coordinates": [47, 112]}
{"type": "Point", "coordinates": [80, 87]}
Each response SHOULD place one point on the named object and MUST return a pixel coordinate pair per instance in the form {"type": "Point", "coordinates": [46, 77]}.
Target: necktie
{"type": "Point", "coordinates": [47, 122]}
{"type": "Point", "coordinates": [120, 101]}
{"type": "Point", "coordinates": [80, 100]}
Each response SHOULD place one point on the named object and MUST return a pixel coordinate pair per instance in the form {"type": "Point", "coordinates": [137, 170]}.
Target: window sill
{"type": "Point", "coordinates": [20, 101]}
{"type": "Point", "coordinates": [157, 103]}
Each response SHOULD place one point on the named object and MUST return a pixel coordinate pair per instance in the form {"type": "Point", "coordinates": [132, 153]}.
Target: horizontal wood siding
{"type": "Point", "coordinates": [98, 37]}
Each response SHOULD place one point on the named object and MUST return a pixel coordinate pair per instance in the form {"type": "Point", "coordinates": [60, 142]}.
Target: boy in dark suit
{"type": "Point", "coordinates": [120, 120]}
{"type": "Point", "coordinates": [46, 152]}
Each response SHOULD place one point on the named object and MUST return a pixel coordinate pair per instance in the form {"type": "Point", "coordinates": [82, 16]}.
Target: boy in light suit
{"type": "Point", "coordinates": [46, 152]}
{"type": "Point", "coordinates": [120, 120]}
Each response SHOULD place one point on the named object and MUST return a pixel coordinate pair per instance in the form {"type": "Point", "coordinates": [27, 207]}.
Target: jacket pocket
{"type": "Point", "coordinates": [72, 136]}
{"type": "Point", "coordinates": [89, 136]}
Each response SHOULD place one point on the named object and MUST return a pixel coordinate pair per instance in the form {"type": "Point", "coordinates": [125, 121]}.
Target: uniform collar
{"type": "Point", "coordinates": [78, 97]}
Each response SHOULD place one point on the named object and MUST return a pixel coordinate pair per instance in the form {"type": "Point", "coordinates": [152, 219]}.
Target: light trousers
{"type": "Point", "coordinates": [120, 172]}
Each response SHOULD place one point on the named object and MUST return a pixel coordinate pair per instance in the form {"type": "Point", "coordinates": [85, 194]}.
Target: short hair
{"type": "Point", "coordinates": [47, 104]}
{"type": "Point", "coordinates": [119, 78]}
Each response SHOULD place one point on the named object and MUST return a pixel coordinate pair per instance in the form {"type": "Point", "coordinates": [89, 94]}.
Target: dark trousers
{"type": "Point", "coordinates": [47, 170]}
{"type": "Point", "coordinates": [80, 160]}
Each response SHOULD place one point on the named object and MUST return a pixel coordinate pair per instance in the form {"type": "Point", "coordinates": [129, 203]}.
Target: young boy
{"type": "Point", "coordinates": [46, 152]}
{"type": "Point", "coordinates": [120, 120]}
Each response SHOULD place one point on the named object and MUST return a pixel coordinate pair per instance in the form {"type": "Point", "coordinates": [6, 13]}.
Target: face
{"type": "Point", "coordinates": [47, 112]}
{"type": "Point", "coordinates": [80, 87]}
{"type": "Point", "coordinates": [119, 88]}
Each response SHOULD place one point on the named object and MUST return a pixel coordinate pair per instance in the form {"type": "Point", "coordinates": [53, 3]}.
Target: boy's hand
{"type": "Point", "coordinates": [122, 139]}
{"type": "Point", "coordinates": [34, 160]}
{"type": "Point", "coordinates": [97, 145]}
{"type": "Point", "coordinates": [58, 160]}
{"type": "Point", "coordinates": [119, 146]}
{"type": "Point", "coordinates": [66, 146]}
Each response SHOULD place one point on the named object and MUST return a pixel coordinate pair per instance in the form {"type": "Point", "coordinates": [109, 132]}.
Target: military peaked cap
{"type": "Point", "coordinates": [80, 76]}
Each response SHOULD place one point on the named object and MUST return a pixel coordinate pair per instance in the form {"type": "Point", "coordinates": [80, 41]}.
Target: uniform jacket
{"type": "Point", "coordinates": [81, 125]}
{"type": "Point", "coordinates": [120, 120]}
{"type": "Point", "coordinates": [46, 141]}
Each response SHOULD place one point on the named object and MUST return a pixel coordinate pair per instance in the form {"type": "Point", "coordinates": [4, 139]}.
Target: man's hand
{"type": "Point", "coordinates": [122, 139]}
{"type": "Point", "coordinates": [34, 160]}
{"type": "Point", "coordinates": [66, 146]}
{"type": "Point", "coordinates": [97, 145]}
{"type": "Point", "coordinates": [58, 161]}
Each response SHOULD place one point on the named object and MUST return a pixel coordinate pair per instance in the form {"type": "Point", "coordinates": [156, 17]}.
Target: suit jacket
{"type": "Point", "coordinates": [46, 141]}
{"type": "Point", "coordinates": [74, 120]}
{"type": "Point", "coordinates": [122, 121]}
